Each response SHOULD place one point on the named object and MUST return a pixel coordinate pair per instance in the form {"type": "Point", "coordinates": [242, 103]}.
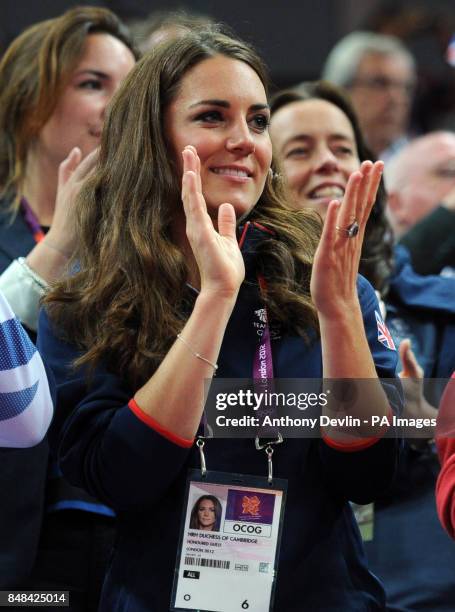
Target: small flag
{"type": "Point", "coordinates": [384, 336]}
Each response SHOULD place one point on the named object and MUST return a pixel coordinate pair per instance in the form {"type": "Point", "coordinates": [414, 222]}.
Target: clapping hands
{"type": "Point", "coordinates": [215, 249]}
{"type": "Point", "coordinates": [336, 262]}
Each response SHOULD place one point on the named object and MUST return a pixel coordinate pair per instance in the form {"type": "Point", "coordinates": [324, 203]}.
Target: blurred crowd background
{"type": "Point", "coordinates": [295, 36]}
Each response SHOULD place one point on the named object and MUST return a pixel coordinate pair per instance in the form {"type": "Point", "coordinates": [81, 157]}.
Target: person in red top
{"type": "Point", "coordinates": [445, 441]}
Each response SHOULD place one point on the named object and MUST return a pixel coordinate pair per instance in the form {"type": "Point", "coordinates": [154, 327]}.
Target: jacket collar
{"type": "Point", "coordinates": [250, 236]}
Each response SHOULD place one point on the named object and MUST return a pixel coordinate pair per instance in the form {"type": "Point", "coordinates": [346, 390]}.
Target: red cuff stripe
{"type": "Point", "coordinates": [350, 447]}
{"type": "Point", "coordinates": [353, 447]}
{"type": "Point", "coordinates": [150, 422]}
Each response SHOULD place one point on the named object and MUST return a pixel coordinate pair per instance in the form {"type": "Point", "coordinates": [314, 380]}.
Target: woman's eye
{"type": "Point", "coordinates": [210, 117]}
{"type": "Point", "coordinates": [298, 152]}
{"type": "Point", "coordinates": [90, 84]}
{"type": "Point", "coordinates": [260, 122]}
{"type": "Point", "coordinates": [344, 151]}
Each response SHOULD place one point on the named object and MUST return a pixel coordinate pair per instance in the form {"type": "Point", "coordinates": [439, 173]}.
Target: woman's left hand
{"type": "Point", "coordinates": [336, 261]}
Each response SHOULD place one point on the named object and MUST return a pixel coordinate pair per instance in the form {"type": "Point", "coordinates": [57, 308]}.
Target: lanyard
{"type": "Point", "coordinates": [263, 380]}
{"type": "Point", "coordinates": [31, 220]}
{"type": "Point", "coordinates": [263, 360]}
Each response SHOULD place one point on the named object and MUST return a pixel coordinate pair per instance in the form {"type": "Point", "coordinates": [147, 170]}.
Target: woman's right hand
{"type": "Point", "coordinates": [71, 174]}
{"type": "Point", "coordinates": [217, 253]}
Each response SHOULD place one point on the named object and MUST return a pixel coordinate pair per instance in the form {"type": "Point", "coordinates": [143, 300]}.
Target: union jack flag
{"type": "Point", "coordinates": [384, 336]}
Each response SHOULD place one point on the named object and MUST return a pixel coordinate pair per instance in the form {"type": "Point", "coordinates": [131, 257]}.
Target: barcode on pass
{"type": "Point", "coordinates": [207, 562]}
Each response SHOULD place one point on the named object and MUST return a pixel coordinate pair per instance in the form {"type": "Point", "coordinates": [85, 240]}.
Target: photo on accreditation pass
{"type": "Point", "coordinates": [228, 547]}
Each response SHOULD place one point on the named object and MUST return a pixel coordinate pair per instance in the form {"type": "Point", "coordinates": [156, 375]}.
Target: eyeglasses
{"type": "Point", "coordinates": [380, 83]}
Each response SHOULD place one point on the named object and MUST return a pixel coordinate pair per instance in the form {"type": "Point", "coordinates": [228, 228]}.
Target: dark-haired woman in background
{"type": "Point", "coordinates": [56, 80]}
{"type": "Point", "coordinates": [316, 136]}
{"type": "Point", "coordinates": [159, 303]}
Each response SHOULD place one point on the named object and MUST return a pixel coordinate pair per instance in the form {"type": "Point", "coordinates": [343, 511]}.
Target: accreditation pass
{"type": "Point", "coordinates": [229, 543]}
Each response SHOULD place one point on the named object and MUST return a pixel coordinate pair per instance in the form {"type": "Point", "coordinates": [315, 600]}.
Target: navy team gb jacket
{"type": "Point", "coordinates": [118, 456]}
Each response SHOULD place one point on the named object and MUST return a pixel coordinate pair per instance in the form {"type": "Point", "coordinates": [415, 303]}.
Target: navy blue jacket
{"type": "Point", "coordinates": [104, 447]}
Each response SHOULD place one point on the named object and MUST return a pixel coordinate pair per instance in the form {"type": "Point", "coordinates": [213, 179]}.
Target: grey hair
{"type": "Point", "coordinates": [343, 60]}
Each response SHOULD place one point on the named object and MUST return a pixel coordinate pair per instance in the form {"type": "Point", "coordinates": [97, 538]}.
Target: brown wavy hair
{"type": "Point", "coordinates": [34, 71]}
{"type": "Point", "coordinates": [124, 304]}
{"type": "Point", "coordinates": [376, 262]}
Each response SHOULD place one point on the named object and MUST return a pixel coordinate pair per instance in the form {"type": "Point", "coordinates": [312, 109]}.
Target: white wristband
{"type": "Point", "coordinates": [23, 289]}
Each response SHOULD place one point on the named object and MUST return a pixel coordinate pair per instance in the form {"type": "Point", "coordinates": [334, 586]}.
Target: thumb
{"type": "Point", "coordinates": [227, 221]}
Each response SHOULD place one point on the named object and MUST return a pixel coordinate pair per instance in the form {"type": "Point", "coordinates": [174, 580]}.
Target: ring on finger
{"type": "Point", "coordinates": [351, 230]}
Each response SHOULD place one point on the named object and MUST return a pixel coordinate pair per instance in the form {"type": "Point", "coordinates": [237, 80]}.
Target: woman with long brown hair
{"type": "Point", "coordinates": [56, 79]}
{"type": "Point", "coordinates": [164, 295]}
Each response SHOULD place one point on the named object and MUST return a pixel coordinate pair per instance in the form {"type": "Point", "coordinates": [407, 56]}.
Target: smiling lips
{"type": "Point", "coordinates": [326, 191]}
{"type": "Point", "coordinates": [232, 172]}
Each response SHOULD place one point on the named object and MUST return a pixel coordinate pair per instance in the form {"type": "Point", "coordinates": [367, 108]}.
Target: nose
{"type": "Point", "coordinates": [103, 110]}
{"type": "Point", "coordinates": [240, 140]}
{"type": "Point", "coordinates": [109, 93]}
{"type": "Point", "coordinates": [326, 161]}
{"type": "Point", "coordinates": [396, 92]}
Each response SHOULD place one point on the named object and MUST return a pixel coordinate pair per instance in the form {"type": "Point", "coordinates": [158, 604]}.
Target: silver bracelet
{"type": "Point", "coordinates": [198, 355]}
{"type": "Point", "coordinates": [36, 278]}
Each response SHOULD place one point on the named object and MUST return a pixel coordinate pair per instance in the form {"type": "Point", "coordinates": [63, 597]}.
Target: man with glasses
{"type": "Point", "coordinates": [379, 74]}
